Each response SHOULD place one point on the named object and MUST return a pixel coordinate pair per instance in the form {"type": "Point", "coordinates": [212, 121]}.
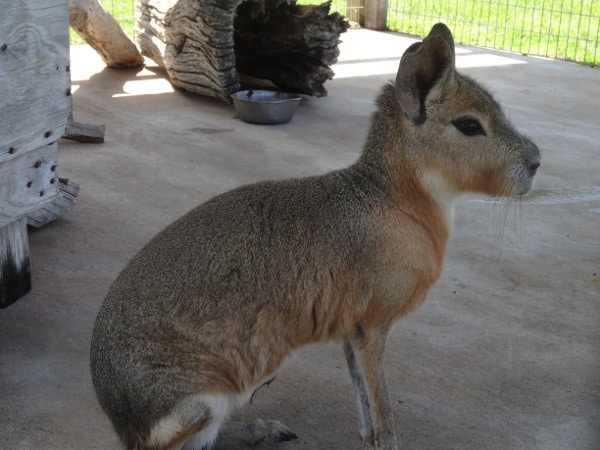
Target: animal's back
{"type": "Point", "coordinates": [219, 298]}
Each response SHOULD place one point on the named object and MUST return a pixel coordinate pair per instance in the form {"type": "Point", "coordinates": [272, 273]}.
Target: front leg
{"type": "Point", "coordinates": [364, 354]}
{"type": "Point", "coordinates": [362, 398]}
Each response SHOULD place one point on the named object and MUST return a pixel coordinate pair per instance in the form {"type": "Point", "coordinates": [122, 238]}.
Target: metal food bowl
{"type": "Point", "coordinates": [265, 107]}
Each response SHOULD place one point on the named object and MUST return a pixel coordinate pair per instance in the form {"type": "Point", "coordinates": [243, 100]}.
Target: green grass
{"type": "Point", "coordinates": [564, 29]}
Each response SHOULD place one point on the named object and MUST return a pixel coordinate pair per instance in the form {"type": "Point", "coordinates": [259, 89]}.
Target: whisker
{"type": "Point", "coordinates": [521, 230]}
{"type": "Point", "coordinates": [501, 226]}
{"type": "Point", "coordinates": [501, 220]}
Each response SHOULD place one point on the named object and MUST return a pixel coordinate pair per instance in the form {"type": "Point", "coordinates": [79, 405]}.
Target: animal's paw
{"type": "Point", "coordinates": [259, 430]}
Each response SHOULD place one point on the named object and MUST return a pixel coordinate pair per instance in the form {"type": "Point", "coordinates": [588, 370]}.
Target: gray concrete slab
{"type": "Point", "coordinates": [503, 354]}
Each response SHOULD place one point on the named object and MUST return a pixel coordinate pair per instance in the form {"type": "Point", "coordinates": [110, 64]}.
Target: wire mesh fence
{"type": "Point", "coordinates": [562, 29]}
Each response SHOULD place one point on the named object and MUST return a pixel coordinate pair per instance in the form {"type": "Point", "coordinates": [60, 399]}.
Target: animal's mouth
{"type": "Point", "coordinates": [522, 186]}
{"type": "Point", "coordinates": [525, 189]}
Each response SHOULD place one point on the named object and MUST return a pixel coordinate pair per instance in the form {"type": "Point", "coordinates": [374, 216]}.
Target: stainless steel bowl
{"type": "Point", "coordinates": [265, 107]}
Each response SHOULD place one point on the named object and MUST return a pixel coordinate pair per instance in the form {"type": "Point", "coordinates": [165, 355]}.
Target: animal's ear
{"type": "Point", "coordinates": [423, 66]}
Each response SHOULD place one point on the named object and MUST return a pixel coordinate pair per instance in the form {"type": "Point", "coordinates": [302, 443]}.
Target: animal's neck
{"type": "Point", "coordinates": [424, 196]}
{"type": "Point", "coordinates": [388, 159]}
{"type": "Point", "coordinates": [442, 193]}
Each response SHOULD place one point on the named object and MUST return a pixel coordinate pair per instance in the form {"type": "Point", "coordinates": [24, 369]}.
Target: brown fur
{"type": "Point", "coordinates": [208, 310]}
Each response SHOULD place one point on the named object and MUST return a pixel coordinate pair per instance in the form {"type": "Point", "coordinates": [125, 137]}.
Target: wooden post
{"type": "Point", "coordinates": [36, 102]}
{"type": "Point", "coordinates": [15, 278]}
{"type": "Point", "coordinates": [355, 11]}
{"type": "Point", "coordinates": [376, 14]}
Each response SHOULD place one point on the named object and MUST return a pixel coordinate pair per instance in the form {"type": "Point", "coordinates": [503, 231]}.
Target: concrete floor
{"type": "Point", "coordinates": [503, 354]}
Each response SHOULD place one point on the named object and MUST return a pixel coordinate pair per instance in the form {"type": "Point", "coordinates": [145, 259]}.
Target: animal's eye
{"type": "Point", "coordinates": [469, 126]}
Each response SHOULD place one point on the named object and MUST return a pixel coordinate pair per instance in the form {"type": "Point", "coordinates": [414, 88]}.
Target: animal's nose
{"type": "Point", "coordinates": [533, 157]}
{"type": "Point", "coordinates": [533, 167]}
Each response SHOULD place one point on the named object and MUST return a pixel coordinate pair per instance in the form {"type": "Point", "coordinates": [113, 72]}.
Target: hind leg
{"type": "Point", "coordinates": [194, 423]}
{"type": "Point", "coordinates": [205, 439]}
{"type": "Point", "coordinates": [257, 431]}
{"type": "Point", "coordinates": [210, 412]}
{"type": "Point", "coordinates": [215, 410]}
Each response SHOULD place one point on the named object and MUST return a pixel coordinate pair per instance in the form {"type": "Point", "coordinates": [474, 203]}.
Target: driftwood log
{"type": "Point", "coordinates": [205, 44]}
{"type": "Point", "coordinates": [291, 45]}
{"type": "Point", "coordinates": [102, 32]}
{"type": "Point", "coordinates": [84, 132]}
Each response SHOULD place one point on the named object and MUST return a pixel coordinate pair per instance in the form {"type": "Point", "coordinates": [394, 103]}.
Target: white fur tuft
{"type": "Point", "coordinates": [163, 431]}
{"type": "Point", "coordinates": [215, 407]}
{"type": "Point", "coordinates": [442, 192]}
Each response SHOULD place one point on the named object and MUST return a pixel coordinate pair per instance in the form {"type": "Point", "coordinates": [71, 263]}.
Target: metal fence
{"type": "Point", "coordinates": [562, 29]}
